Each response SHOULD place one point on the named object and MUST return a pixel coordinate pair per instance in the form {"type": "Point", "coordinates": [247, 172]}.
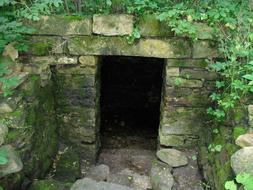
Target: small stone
{"type": "Point", "coordinates": [172, 72]}
{"type": "Point", "coordinates": [174, 158]}
{"type": "Point", "coordinates": [88, 60]}
{"type": "Point", "coordinates": [245, 140]}
{"type": "Point", "coordinates": [14, 163]}
{"type": "Point", "coordinates": [242, 160]}
{"type": "Point", "coordinates": [89, 184]}
{"type": "Point", "coordinates": [161, 177]}
{"type": "Point", "coordinates": [3, 133]}
{"type": "Point", "coordinates": [99, 173]}
{"type": "Point", "coordinates": [121, 179]}
{"type": "Point", "coordinates": [5, 108]}
{"type": "Point", "coordinates": [141, 182]}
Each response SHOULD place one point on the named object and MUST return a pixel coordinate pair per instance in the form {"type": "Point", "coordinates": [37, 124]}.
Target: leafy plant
{"type": "Point", "coordinates": [215, 148]}
{"type": "Point", "coordinates": [245, 179]}
{"type": "Point", "coordinates": [12, 32]}
{"type": "Point", "coordinates": [135, 35]}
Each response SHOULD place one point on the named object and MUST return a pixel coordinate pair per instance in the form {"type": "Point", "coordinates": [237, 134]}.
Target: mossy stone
{"type": "Point", "coordinates": [49, 184]}
{"type": "Point", "coordinates": [68, 167]}
{"type": "Point", "coordinates": [45, 45]}
{"type": "Point", "coordinates": [62, 25]}
{"type": "Point", "coordinates": [150, 26]}
{"type": "Point", "coordinates": [96, 45]}
{"type": "Point", "coordinates": [195, 63]}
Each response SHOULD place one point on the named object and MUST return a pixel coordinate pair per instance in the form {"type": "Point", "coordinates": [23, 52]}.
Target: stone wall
{"type": "Point", "coordinates": [184, 101]}
{"type": "Point", "coordinates": [77, 95]}
{"type": "Point", "coordinates": [29, 116]}
{"type": "Point", "coordinates": [67, 50]}
{"type": "Point", "coordinates": [186, 80]}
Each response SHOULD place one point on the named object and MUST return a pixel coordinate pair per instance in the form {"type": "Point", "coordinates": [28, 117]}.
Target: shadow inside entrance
{"type": "Point", "coordinates": [130, 101]}
{"type": "Point", "coordinates": [130, 112]}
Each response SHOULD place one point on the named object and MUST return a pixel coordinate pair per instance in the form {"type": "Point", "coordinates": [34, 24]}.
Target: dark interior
{"type": "Point", "coordinates": [130, 97]}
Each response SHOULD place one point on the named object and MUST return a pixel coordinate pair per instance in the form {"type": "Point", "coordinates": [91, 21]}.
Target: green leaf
{"type": "Point", "coordinates": [218, 148]}
{"type": "Point", "coordinates": [245, 179]}
{"type": "Point", "coordinates": [108, 2]}
{"type": "Point", "coordinates": [248, 77]}
{"type": "Point", "coordinates": [230, 185]}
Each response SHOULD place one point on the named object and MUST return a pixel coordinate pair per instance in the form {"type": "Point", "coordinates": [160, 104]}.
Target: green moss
{"type": "Point", "coordinates": [237, 131]}
{"type": "Point", "coordinates": [73, 18]}
{"type": "Point", "coordinates": [44, 45]}
{"type": "Point", "coordinates": [151, 26]}
{"type": "Point", "coordinates": [49, 184]}
{"type": "Point", "coordinates": [224, 173]}
{"type": "Point", "coordinates": [68, 167]}
{"type": "Point", "coordinates": [41, 48]}
{"type": "Point", "coordinates": [12, 136]}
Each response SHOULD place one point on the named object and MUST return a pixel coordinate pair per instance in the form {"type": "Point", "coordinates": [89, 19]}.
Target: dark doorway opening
{"type": "Point", "coordinates": [130, 101]}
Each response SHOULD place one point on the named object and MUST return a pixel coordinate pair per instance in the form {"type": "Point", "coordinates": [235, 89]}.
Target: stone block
{"type": "Point", "coordinates": [67, 167]}
{"type": "Point", "coordinates": [172, 72]}
{"type": "Point", "coordinates": [8, 105]}
{"type": "Point", "coordinates": [198, 74]}
{"type": "Point", "coordinates": [14, 163]}
{"type": "Point", "coordinates": [161, 177]}
{"type": "Point", "coordinates": [181, 82]}
{"type": "Point", "coordinates": [54, 60]}
{"type": "Point", "coordinates": [150, 26]}
{"type": "Point", "coordinates": [204, 49]}
{"type": "Point", "coordinates": [204, 32]}
{"type": "Point", "coordinates": [62, 25]}
{"type": "Point", "coordinates": [195, 63]}
{"type": "Point", "coordinates": [242, 161]}
{"type": "Point", "coordinates": [177, 140]}
{"type": "Point", "coordinates": [95, 45]}
{"type": "Point", "coordinates": [113, 25]}
{"type": "Point", "coordinates": [45, 45]}
{"type": "Point", "coordinates": [245, 140]}
{"type": "Point", "coordinates": [88, 60]}
{"type": "Point", "coordinates": [186, 97]}
{"type": "Point", "coordinates": [87, 151]}
{"type": "Point", "coordinates": [77, 70]}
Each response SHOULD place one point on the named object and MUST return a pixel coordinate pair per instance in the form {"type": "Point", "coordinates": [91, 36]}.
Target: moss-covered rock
{"type": "Point", "coordinates": [62, 25]}
{"type": "Point", "coordinates": [45, 45]}
{"type": "Point", "coordinates": [182, 82]}
{"type": "Point", "coordinates": [204, 49]}
{"type": "Point", "coordinates": [150, 26]}
{"type": "Point", "coordinates": [49, 184]}
{"type": "Point", "coordinates": [195, 63]}
{"type": "Point", "coordinates": [67, 167]}
{"type": "Point", "coordinates": [113, 25]}
{"type": "Point", "coordinates": [95, 45]}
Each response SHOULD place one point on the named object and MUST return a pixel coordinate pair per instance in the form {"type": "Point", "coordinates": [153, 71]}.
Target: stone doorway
{"type": "Point", "coordinates": [130, 111]}
{"type": "Point", "coordinates": [130, 99]}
